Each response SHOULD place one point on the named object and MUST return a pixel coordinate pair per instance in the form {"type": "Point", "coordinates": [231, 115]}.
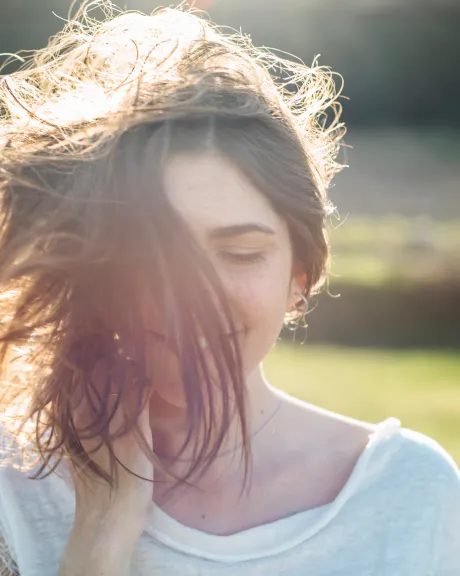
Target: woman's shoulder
{"type": "Point", "coordinates": [426, 457]}
{"type": "Point", "coordinates": [411, 453]}
{"type": "Point", "coordinates": [390, 443]}
{"type": "Point", "coordinates": [385, 456]}
{"type": "Point", "coordinates": [402, 473]}
{"type": "Point", "coordinates": [333, 437]}
{"type": "Point", "coordinates": [404, 465]}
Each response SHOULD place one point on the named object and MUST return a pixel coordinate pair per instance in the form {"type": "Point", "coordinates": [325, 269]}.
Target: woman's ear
{"type": "Point", "coordinates": [297, 287]}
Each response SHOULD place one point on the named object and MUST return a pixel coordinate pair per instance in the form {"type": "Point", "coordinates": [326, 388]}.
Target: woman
{"type": "Point", "coordinates": [164, 207]}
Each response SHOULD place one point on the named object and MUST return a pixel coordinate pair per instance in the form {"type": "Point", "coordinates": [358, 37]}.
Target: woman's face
{"type": "Point", "coordinates": [244, 238]}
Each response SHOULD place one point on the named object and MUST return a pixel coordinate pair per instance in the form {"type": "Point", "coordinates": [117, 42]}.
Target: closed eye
{"type": "Point", "coordinates": [243, 257]}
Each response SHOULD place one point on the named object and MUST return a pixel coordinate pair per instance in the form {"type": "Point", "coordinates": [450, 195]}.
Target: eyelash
{"type": "Point", "coordinates": [242, 258]}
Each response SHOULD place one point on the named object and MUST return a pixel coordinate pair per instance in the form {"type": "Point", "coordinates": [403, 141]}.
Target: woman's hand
{"type": "Point", "coordinates": [110, 520]}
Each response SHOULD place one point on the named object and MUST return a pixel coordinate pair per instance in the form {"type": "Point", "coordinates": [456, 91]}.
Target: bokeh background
{"type": "Point", "coordinates": [385, 339]}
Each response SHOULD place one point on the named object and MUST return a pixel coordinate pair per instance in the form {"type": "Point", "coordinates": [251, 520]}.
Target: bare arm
{"type": "Point", "coordinates": [99, 547]}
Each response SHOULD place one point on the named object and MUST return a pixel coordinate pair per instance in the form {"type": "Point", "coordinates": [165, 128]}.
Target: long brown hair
{"type": "Point", "coordinates": [90, 249]}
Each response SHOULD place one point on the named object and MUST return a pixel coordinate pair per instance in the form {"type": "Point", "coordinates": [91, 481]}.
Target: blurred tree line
{"type": "Point", "coordinates": [400, 62]}
{"type": "Point", "coordinates": [399, 58]}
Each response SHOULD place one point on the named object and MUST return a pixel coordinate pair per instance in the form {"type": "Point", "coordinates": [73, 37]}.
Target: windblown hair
{"type": "Point", "coordinates": [96, 266]}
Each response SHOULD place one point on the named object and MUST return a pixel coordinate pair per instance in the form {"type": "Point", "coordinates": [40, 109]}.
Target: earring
{"type": "Point", "coordinates": [295, 317]}
{"type": "Point", "coordinates": [296, 313]}
{"type": "Point", "coordinates": [303, 303]}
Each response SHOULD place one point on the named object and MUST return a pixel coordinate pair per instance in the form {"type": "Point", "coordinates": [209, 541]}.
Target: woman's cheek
{"type": "Point", "coordinates": [263, 320]}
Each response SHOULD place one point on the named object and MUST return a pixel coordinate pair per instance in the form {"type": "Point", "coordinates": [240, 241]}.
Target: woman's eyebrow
{"type": "Point", "coordinates": [238, 230]}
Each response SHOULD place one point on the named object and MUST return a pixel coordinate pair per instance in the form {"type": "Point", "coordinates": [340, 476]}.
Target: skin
{"type": "Point", "coordinates": [307, 453]}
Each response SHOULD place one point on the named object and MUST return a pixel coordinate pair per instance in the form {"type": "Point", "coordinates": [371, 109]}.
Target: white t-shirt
{"type": "Point", "coordinates": [397, 515]}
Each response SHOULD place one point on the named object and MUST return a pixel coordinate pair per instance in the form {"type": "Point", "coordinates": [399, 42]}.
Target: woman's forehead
{"type": "Point", "coordinates": [210, 192]}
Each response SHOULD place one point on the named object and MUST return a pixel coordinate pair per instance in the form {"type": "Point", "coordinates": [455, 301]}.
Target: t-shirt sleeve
{"type": "Point", "coordinates": [448, 557]}
{"type": "Point", "coordinates": [432, 489]}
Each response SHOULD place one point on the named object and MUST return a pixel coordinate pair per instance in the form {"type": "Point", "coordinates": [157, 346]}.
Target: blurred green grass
{"type": "Point", "coordinates": [375, 251]}
{"type": "Point", "coordinates": [421, 388]}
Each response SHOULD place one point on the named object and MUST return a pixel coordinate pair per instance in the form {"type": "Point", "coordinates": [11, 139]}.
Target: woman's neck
{"type": "Point", "coordinates": [169, 428]}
